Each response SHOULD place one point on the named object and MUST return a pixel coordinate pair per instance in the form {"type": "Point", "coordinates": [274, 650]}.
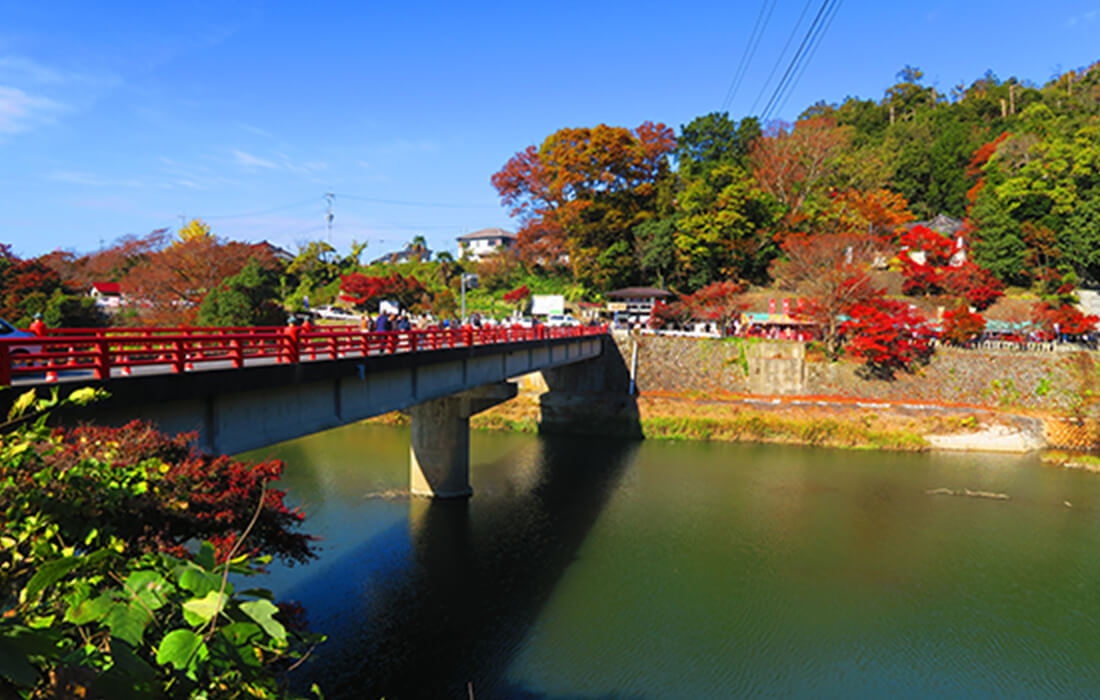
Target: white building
{"type": "Point", "coordinates": [107, 295]}
{"type": "Point", "coordinates": [475, 246]}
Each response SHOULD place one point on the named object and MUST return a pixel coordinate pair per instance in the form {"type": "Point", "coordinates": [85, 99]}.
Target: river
{"type": "Point", "coordinates": [587, 568]}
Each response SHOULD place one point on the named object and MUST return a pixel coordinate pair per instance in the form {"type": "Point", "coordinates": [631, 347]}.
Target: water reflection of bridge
{"type": "Point", "coordinates": [419, 611]}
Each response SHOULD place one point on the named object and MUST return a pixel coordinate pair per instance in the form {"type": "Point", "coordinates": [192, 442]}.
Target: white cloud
{"type": "Point", "coordinates": [1084, 18]}
{"type": "Point", "coordinates": [256, 130]}
{"type": "Point", "coordinates": [17, 67]}
{"type": "Point", "coordinates": [402, 146]}
{"type": "Point", "coordinates": [79, 177]}
{"type": "Point", "coordinates": [248, 160]}
{"type": "Point", "coordinates": [20, 111]}
{"type": "Point", "coordinates": [20, 69]}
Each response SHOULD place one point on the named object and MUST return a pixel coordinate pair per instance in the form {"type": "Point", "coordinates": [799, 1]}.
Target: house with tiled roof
{"type": "Point", "coordinates": [475, 246]}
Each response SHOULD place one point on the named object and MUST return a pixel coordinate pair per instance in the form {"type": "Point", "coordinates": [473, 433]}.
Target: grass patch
{"type": "Point", "coordinates": [764, 426]}
{"type": "Point", "coordinates": [1072, 460]}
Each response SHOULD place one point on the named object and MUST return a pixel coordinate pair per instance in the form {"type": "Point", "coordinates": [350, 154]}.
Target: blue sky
{"type": "Point", "coordinates": [120, 118]}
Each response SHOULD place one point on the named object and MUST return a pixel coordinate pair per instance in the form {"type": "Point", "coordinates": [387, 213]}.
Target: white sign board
{"type": "Point", "coordinates": [390, 307]}
{"type": "Point", "coordinates": [543, 304]}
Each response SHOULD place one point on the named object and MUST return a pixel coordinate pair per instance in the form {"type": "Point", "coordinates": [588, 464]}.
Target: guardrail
{"type": "Point", "coordinates": [177, 350]}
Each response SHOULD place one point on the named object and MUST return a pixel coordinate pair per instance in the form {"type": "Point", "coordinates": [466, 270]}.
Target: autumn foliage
{"type": "Point", "coordinates": [961, 326]}
{"type": "Point", "coordinates": [198, 497]}
{"type": "Point", "coordinates": [579, 194]}
{"type": "Point", "coordinates": [171, 283]}
{"type": "Point", "coordinates": [720, 302]}
{"type": "Point", "coordinates": [365, 291]}
{"type": "Point", "coordinates": [833, 272]}
{"type": "Point", "coordinates": [1064, 319]}
{"type": "Point", "coordinates": [517, 294]}
{"type": "Point", "coordinates": [791, 163]}
{"type": "Point", "coordinates": [938, 275]}
{"type": "Point", "coordinates": [888, 335]}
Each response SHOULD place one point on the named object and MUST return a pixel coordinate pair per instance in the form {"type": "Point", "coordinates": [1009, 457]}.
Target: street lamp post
{"type": "Point", "coordinates": [470, 280]}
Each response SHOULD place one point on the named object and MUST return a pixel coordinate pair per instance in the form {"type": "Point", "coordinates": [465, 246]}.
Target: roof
{"type": "Point", "coordinates": [405, 254]}
{"type": "Point", "coordinates": [107, 287]}
{"type": "Point", "coordinates": [278, 253]}
{"type": "Point", "coordinates": [941, 224]}
{"type": "Point", "coordinates": [487, 233]}
{"type": "Point", "coordinates": [638, 293]}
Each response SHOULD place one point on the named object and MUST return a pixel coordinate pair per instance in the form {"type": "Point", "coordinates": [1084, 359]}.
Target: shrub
{"type": "Point", "coordinates": [104, 594]}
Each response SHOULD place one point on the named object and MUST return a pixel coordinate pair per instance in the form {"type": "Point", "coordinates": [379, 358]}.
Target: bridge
{"type": "Point", "coordinates": [246, 388]}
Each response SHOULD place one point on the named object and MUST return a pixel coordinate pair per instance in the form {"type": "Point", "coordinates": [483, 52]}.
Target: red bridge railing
{"type": "Point", "coordinates": [175, 350]}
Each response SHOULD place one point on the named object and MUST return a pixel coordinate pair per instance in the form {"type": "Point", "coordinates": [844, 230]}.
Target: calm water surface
{"type": "Point", "coordinates": [598, 569]}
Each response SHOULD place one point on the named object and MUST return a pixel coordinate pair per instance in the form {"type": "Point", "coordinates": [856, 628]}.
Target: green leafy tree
{"type": "Point", "coordinates": [723, 229]}
{"type": "Point", "coordinates": [249, 298]}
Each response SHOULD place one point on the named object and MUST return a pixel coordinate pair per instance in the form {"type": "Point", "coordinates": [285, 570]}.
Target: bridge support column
{"type": "Point", "coordinates": [439, 450]}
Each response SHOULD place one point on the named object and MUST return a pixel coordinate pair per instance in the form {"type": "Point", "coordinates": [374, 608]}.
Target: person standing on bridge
{"type": "Point", "coordinates": [382, 323]}
{"type": "Point", "coordinates": [38, 326]}
{"type": "Point", "coordinates": [292, 331]}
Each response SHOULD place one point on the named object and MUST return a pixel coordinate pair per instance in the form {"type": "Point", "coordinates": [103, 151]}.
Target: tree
{"type": "Point", "coordinates": [722, 229]}
{"type": "Point", "coordinates": [977, 286]}
{"type": "Point", "coordinates": [1062, 320]}
{"type": "Point", "coordinates": [718, 302]}
{"type": "Point", "coordinates": [879, 212]}
{"type": "Point", "coordinates": [655, 242]}
{"type": "Point", "coordinates": [172, 284]}
{"type": "Point", "coordinates": [366, 292]}
{"type": "Point", "coordinates": [1081, 237]}
{"type": "Point", "coordinates": [962, 327]}
{"type": "Point", "coordinates": [792, 163]}
{"type": "Point", "coordinates": [518, 296]}
{"type": "Point", "coordinates": [833, 271]}
{"type": "Point", "coordinates": [713, 140]}
{"type": "Point", "coordinates": [249, 298]}
{"type": "Point", "coordinates": [889, 335]}
{"type": "Point", "coordinates": [582, 191]}
{"type": "Point", "coordinates": [26, 289]}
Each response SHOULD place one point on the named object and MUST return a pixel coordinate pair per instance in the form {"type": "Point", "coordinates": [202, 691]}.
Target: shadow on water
{"type": "Point", "coordinates": [422, 611]}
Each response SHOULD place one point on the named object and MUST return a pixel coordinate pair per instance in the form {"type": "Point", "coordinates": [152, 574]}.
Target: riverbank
{"type": "Point", "coordinates": [794, 421]}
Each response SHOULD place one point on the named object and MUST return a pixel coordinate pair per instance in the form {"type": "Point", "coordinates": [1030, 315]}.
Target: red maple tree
{"type": "Point", "coordinates": [364, 290]}
{"type": "Point", "coordinates": [1062, 320]}
{"type": "Point", "coordinates": [720, 302]}
{"type": "Point", "coordinates": [961, 326]}
{"type": "Point", "coordinates": [888, 335]}
{"type": "Point", "coordinates": [833, 271]}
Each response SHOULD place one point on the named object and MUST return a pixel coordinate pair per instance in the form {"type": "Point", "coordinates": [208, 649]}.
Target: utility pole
{"type": "Point", "coordinates": [328, 215]}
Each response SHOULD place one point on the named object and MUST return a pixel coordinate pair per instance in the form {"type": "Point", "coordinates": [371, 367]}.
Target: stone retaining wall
{"type": "Point", "coordinates": [1022, 380]}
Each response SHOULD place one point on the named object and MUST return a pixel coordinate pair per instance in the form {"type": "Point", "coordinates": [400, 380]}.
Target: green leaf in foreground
{"type": "Point", "coordinates": [199, 611]}
{"type": "Point", "coordinates": [262, 611]}
{"type": "Point", "coordinates": [178, 648]}
{"type": "Point", "coordinates": [49, 574]}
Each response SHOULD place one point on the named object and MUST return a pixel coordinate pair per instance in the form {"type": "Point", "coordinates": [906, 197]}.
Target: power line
{"type": "Point", "coordinates": [796, 60]}
{"type": "Point", "coordinates": [830, 15]}
{"type": "Point", "coordinates": [749, 52]}
{"type": "Point", "coordinates": [312, 200]}
{"type": "Point", "coordinates": [779, 58]}
{"type": "Point", "coordinates": [406, 203]}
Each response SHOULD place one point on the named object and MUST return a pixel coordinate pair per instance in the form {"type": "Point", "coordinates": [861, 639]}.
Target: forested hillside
{"type": "Point", "coordinates": [1019, 162]}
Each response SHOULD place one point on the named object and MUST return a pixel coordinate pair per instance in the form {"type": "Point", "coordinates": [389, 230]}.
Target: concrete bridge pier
{"type": "Point", "coordinates": [439, 450]}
